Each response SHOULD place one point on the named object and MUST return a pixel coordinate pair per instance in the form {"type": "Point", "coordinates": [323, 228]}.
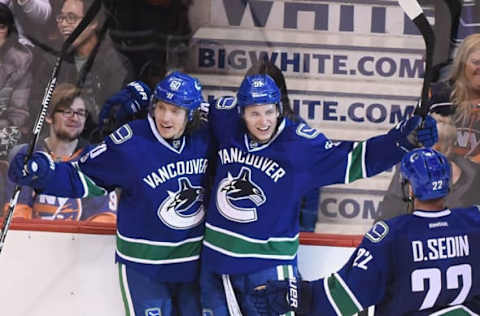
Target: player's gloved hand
{"type": "Point", "coordinates": [132, 99]}
{"type": "Point", "coordinates": [415, 132]}
{"type": "Point", "coordinates": [203, 110]}
{"type": "Point", "coordinates": [36, 173]}
{"type": "Point", "coordinates": [280, 297]}
{"type": "Point", "coordinates": [425, 134]}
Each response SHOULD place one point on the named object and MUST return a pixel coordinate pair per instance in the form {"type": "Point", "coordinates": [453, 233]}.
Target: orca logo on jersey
{"type": "Point", "coordinates": [183, 209]}
{"type": "Point", "coordinates": [235, 195]}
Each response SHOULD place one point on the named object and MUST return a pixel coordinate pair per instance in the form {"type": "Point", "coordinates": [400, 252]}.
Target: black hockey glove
{"type": "Point", "coordinates": [280, 297]}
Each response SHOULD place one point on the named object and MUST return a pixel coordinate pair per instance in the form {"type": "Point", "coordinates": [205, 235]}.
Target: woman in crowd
{"type": "Point", "coordinates": [459, 97]}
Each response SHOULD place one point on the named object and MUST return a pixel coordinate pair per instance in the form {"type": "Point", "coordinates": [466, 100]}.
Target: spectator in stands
{"type": "Point", "coordinates": [465, 176]}
{"type": "Point", "coordinates": [92, 64]}
{"type": "Point", "coordinates": [460, 97]}
{"type": "Point", "coordinates": [153, 71]}
{"type": "Point", "coordinates": [309, 202]}
{"type": "Point", "coordinates": [29, 15]}
{"type": "Point", "coordinates": [152, 30]}
{"type": "Point", "coordinates": [15, 82]}
{"type": "Point", "coordinates": [66, 120]}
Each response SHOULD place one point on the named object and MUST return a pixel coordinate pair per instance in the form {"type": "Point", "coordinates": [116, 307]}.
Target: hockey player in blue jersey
{"type": "Point", "coordinates": [159, 164]}
{"type": "Point", "coordinates": [265, 164]}
{"type": "Point", "coordinates": [423, 263]}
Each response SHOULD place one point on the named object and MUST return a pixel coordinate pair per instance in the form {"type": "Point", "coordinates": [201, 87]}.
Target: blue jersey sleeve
{"type": "Point", "coordinates": [224, 120]}
{"type": "Point", "coordinates": [101, 169]}
{"type": "Point", "coordinates": [67, 182]}
{"type": "Point", "coordinates": [346, 161]}
{"type": "Point", "coordinates": [345, 292]}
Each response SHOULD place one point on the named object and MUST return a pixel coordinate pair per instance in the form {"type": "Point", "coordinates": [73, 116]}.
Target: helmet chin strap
{"type": "Point", "coordinates": [410, 204]}
{"type": "Point", "coordinates": [407, 196]}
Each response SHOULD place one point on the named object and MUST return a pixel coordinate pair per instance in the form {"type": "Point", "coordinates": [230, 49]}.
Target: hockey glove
{"type": "Point", "coordinates": [132, 99]}
{"type": "Point", "coordinates": [36, 173]}
{"type": "Point", "coordinates": [203, 110]}
{"type": "Point", "coordinates": [412, 133]}
{"type": "Point", "coordinates": [280, 297]}
{"type": "Point", "coordinates": [426, 134]}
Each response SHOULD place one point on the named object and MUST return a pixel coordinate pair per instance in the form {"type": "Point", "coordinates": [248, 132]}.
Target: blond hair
{"type": "Point", "coordinates": [461, 93]}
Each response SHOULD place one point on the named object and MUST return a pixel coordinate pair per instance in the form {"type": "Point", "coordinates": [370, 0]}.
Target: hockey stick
{"type": "Point", "coordinates": [455, 8]}
{"type": "Point", "coordinates": [415, 13]}
{"type": "Point", "coordinates": [90, 14]}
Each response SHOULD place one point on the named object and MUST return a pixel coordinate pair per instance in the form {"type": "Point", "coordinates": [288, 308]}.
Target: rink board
{"type": "Point", "coordinates": [72, 273]}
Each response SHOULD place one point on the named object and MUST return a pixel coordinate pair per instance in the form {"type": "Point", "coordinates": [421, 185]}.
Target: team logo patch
{"type": "Point", "coordinates": [175, 85]}
{"type": "Point", "coordinates": [306, 131]}
{"type": "Point", "coordinates": [226, 103]}
{"type": "Point", "coordinates": [197, 86]}
{"type": "Point", "coordinates": [207, 312]}
{"type": "Point", "coordinates": [122, 134]}
{"type": "Point", "coordinates": [153, 312]}
{"type": "Point", "coordinates": [377, 232]}
{"type": "Point", "coordinates": [183, 209]}
{"type": "Point", "coordinates": [257, 83]}
{"type": "Point", "coordinates": [238, 197]}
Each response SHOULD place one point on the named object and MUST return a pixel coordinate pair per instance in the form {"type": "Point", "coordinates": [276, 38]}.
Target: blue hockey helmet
{"type": "Point", "coordinates": [428, 172]}
{"type": "Point", "coordinates": [258, 89]}
{"type": "Point", "coordinates": [181, 90]}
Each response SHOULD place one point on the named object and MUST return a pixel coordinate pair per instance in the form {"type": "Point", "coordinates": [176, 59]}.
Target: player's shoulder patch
{"type": "Point", "coordinates": [226, 103]}
{"type": "Point", "coordinates": [122, 134]}
{"type": "Point", "coordinates": [303, 130]}
{"type": "Point", "coordinates": [378, 232]}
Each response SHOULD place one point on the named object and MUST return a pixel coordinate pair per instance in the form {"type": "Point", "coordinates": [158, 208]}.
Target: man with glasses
{"type": "Point", "coordinates": [93, 65]}
{"type": "Point", "coordinates": [66, 121]}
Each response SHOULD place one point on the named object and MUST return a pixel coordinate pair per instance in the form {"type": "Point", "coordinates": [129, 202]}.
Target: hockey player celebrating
{"type": "Point", "coordinates": [265, 163]}
{"type": "Point", "coordinates": [159, 164]}
{"type": "Point", "coordinates": [409, 265]}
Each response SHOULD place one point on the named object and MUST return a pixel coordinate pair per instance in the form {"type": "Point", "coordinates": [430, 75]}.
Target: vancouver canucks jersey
{"type": "Point", "coordinates": [43, 206]}
{"type": "Point", "coordinates": [252, 218]}
{"type": "Point", "coordinates": [160, 213]}
{"type": "Point", "coordinates": [415, 264]}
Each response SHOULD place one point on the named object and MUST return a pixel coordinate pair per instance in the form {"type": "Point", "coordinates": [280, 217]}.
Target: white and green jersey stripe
{"type": "Point", "coordinates": [356, 168]}
{"type": "Point", "coordinates": [240, 246]}
{"type": "Point", "coordinates": [340, 296]}
{"type": "Point", "coordinates": [157, 252]}
{"type": "Point", "coordinates": [90, 188]}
